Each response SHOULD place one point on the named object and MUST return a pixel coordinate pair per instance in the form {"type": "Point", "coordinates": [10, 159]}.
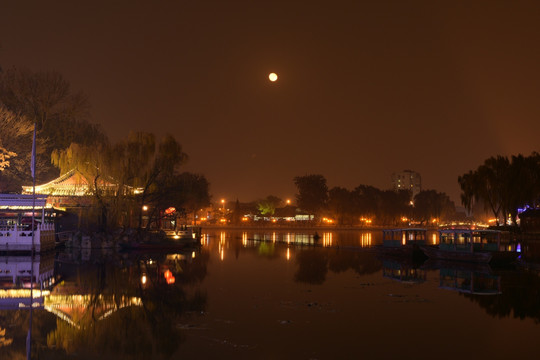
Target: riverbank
{"type": "Point", "coordinates": [300, 227]}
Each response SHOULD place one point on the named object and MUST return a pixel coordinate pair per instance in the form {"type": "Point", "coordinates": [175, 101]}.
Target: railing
{"type": "Point", "coordinates": [19, 238]}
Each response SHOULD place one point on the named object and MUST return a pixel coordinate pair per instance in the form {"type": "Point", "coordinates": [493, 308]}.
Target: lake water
{"type": "Point", "coordinates": [268, 295]}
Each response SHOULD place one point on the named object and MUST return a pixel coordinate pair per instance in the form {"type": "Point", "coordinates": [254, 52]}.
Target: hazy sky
{"type": "Point", "coordinates": [365, 88]}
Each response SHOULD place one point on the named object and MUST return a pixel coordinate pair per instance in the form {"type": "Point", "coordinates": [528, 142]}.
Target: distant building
{"type": "Point", "coordinates": [407, 180]}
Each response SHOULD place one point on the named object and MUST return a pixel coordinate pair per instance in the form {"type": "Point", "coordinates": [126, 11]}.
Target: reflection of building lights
{"type": "Point", "coordinates": [193, 254]}
{"type": "Point", "coordinates": [244, 238]}
{"type": "Point", "coordinates": [327, 239]}
{"type": "Point", "coordinates": [434, 239]}
{"type": "Point", "coordinates": [143, 279]}
{"type": "Point", "coordinates": [222, 254]}
{"type": "Point", "coordinates": [365, 239]}
{"type": "Point", "coordinates": [169, 277]}
{"type": "Point", "coordinates": [288, 254]}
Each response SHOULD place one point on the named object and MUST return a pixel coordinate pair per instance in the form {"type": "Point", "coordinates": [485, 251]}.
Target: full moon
{"type": "Point", "coordinates": [272, 77]}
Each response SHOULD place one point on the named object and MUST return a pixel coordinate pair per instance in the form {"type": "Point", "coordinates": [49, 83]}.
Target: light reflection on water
{"type": "Point", "coordinates": [271, 294]}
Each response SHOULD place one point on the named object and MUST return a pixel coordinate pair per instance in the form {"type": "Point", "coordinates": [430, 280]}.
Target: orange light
{"type": "Point", "coordinates": [169, 277]}
{"type": "Point", "coordinates": [223, 220]}
{"type": "Point", "coordinates": [170, 210]}
{"type": "Point", "coordinates": [245, 218]}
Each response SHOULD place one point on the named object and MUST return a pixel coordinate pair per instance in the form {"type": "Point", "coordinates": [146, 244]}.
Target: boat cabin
{"type": "Point", "coordinates": [404, 236]}
{"type": "Point", "coordinates": [470, 240]}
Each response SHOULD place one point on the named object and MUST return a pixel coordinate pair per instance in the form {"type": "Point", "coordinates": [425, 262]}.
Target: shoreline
{"type": "Point", "coordinates": [310, 228]}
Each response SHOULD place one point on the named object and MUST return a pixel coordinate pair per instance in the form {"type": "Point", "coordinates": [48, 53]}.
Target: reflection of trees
{"type": "Point", "coordinates": [312, 266]}
{"type": "Point", "coordinates": [268, 250]}
{"type": "Point", "coordinates": [15, 324]}
{"type": "Point", "coordinates": [148, 330]}
{"type": "Point", "coordinates": [362, 262]}
{"type": "Point", "coordinates": [520, 294]}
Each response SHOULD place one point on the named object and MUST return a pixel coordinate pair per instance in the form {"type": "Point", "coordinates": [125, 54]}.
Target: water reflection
{"type": "Point", "coordinates": [365, 239]}
{"type": "Point", "coordinates": [124, 308]}
{"type": "Point", "coordinates": [404, 271]}
{"type": "Point", "coordinates": [136, 305]}
{"type": "Point", "coordinates": [470, 282]}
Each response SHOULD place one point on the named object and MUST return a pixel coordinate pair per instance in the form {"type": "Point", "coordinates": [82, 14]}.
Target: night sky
{"type": "Point", "coordinates": [365, 88]}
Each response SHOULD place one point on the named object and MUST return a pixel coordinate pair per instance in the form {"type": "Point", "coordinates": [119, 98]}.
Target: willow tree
{"type": "Point", "coordinates": [125, 176]}
{"type": "Point", "coordinates": [503, 184]}
{"type": "Point", "coordinates": [488, 184]}
{"type": "Point", "coordinates": [93, 164]}
{"type": "Point", "coordinates": [148, 166]}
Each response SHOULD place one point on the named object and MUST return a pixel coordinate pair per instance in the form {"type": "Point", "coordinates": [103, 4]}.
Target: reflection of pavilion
{"type": "Point", "coordinates": [77, 308]}
{"type": "Point", "coordinates": [69, 303]}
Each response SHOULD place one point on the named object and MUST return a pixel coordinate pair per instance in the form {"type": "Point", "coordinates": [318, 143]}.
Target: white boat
{"type": "Point", "coordinates": [16, 230]}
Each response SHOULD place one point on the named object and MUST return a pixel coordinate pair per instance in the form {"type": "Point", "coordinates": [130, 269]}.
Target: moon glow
{"type": "Point", "coordinates": [273, 77]}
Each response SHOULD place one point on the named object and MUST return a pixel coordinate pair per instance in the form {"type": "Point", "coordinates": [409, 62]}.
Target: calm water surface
{"type": "Point", "coordinates": [269, 295]}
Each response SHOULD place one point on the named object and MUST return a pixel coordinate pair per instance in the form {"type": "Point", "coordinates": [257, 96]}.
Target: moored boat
{"type": "Point", "coordinates": [404, 242]}
{"type": "Point", "coordinates": [472, 245]}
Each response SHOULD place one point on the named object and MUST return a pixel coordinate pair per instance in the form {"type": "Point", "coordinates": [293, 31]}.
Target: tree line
{"type": "Point", "coordinates": [368, 204]}
{"type": "Point", "coordinates": [143, 169]}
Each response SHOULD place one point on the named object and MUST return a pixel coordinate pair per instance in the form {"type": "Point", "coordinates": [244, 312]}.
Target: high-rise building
{"type": "Point", "coordinates": [407, 180]}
